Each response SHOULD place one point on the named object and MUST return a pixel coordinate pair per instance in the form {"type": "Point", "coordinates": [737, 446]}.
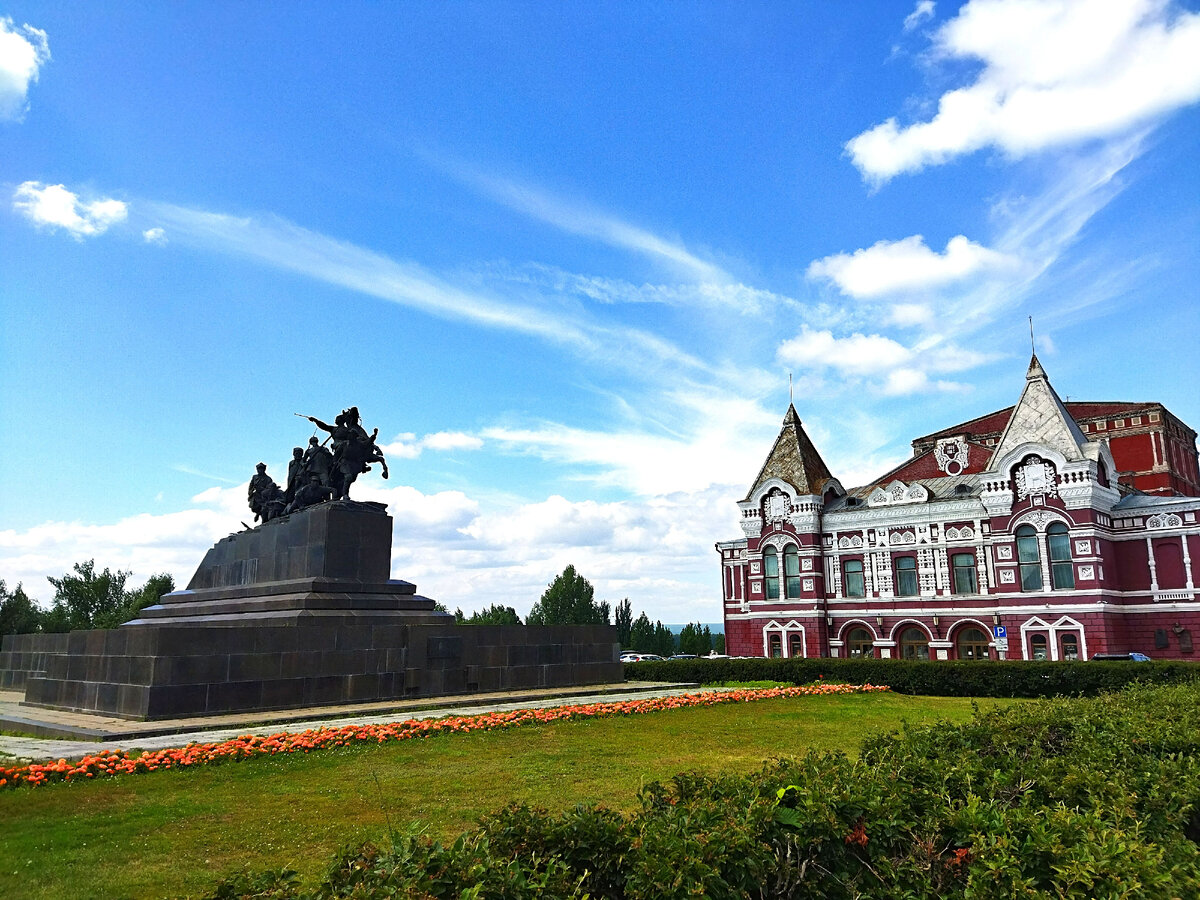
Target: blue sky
{"type": "Point", "coordinates": [564, 257]}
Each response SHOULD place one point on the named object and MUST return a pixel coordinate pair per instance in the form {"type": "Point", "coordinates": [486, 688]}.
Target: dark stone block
{"type": "Point", "coordinates": [281, 693]}
{"type": "Point", "coordinates": [199, 669]}
{"type": "Point", "coordinates": [246, 666]}
{"type": "Point", "coordinates": [443, 648]}
{"type": "Point", "coordinates": [177, 700]}
{"type": "Point", "coordinates": [131, 701]}
{"type": "Point", "coordinates": [231, 696]}
{"type": "Point", "coordinates": [323, 689]}
{"type": "Point", "coordinates": [106, 695]}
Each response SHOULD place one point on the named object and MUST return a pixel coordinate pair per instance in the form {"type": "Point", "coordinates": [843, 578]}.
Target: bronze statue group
{"type": "Point", "coordinates": [318, 474]}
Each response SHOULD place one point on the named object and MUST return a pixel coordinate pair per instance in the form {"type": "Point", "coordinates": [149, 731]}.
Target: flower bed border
{"type": "Point", "coordinates": [110, 763]}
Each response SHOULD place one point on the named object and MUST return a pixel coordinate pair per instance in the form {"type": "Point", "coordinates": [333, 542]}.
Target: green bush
{"type": "Point", "coordinates": [1014, 678]}
{"type": "Point", "coordinates": [1069, 797]}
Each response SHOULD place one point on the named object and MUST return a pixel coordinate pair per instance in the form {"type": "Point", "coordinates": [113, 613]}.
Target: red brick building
{"type": "Point", "coordinates": [1047, 530]}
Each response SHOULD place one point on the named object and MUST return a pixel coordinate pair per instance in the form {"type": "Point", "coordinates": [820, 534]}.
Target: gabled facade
{"type": "Point", "coordinates": [1012, 540]}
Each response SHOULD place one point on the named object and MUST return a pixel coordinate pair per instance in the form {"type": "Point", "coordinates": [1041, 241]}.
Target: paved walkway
{"type": "Point", "coordinates": [120, 734]}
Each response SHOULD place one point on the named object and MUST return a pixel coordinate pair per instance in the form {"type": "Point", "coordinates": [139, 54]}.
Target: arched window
{"type": "Point", "coordinates": [1062, 573]}
{"type": "Point", "coordinates": [860, 644]}
{"type": "Point", "coordinates": [973, 644]}
{"type": "Point", "coordinates": [1038, 647]}
{"type": "Point", "coordinates": [791, 571]}
{"type": "Point", "coordinates": [795, 644]}
{"type": "Point", "coordinates": [1070, 646]}
{"type": "Point", "coordinates": [775, 645]}
{"type": "Point", "coordinates": [914, 644]}
{"type": "Point", "coordinates": [1030, 558]}
{"type": "Point", "coordinates": [852, 578]}
{"type": "Point", "coordinates": [771, 572]}
{"type": "Point", "coordinates": [906, 576]}
{"type": "Point", "coordinates": [963, 570]}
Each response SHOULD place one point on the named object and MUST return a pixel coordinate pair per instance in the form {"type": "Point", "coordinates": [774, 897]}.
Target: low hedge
{"type": "Point", "coordinates": [942, 679]}
{"type": "Point", "coordinates": [1082, 798]}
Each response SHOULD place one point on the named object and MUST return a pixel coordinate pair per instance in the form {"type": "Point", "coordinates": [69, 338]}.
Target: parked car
{"type": "Point", "coordinates": [1128, 657]}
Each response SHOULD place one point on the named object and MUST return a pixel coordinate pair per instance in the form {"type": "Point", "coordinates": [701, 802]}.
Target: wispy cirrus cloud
{"type": "Point", "coordinates": [23, 51]}
{"type": "Point", "coordinates": [277, 242]}
{"type": "Point", "coordinates": [583, 220]}
{"type": "Point", "coordinates": [53, 206]}
{"type": "Point", "coordinates": [921, 13]}
{"type": "Point", "coordinates": [1054, 73]}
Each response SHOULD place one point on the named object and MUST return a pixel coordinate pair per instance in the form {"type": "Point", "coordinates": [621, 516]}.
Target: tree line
{"type": "Point", "coordinates": [570, 599]}
{"type": "Point", "coordinates": [83, 598]}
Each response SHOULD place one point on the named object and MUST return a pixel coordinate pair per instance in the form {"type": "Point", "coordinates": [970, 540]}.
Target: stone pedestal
{"type": "Point", "coordinates": [330, 561]}
{"type": "Point", "coordinates": [297, 612]}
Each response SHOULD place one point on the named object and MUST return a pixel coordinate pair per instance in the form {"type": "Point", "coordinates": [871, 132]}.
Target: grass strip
{"type": "Point", "coordinates": [111, 763]}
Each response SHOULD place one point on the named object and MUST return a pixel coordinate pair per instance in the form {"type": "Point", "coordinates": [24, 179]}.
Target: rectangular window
{"type": "Point", "coordinates": [964, 573]}
{"type": "Point", "coordinates": [853, 584]}
{"type": "Point", "coordinates": [906, 576]}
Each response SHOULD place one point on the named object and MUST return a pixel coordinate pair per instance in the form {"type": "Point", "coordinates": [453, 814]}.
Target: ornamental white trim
{"type": "Point", "coordinates": [898, 493]}
{"type": "Point", "coordinates": [1036, 477]}
{"type": "Point", "coordinates": [1164, 520]}
{"type": "Point", "coordinates": [952, 455]}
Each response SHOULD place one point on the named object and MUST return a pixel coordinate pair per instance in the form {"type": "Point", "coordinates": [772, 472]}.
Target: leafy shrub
{"type": "Point", "coordinates": [1011, 678]}
{"type": "Point", "coordinates": [1084, 798]}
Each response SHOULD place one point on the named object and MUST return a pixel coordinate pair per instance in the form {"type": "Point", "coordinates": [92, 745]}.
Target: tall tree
{"type": "Point", "coordinates": [18, 613]}
{"type": "Point", "coordinates": [87, 598]}
{"type": "Point", "coordinates": [91, 599]}
{"type": "Point", "coordinates": [641, 635]}
{"type": "Point", "coordinates": [568, 600]}
{"type": "Point", "coordinates": [664, 640]}
{"type": "Point", "coordinates": [695, 639]}
{"type": "Point", "coordinates": [623, 619]}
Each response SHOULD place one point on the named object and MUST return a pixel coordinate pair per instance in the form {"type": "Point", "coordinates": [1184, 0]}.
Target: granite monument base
{"type": "Point", "coordinates": [162, 672]}
{"type": "Point", "coordinates": [297, 612]}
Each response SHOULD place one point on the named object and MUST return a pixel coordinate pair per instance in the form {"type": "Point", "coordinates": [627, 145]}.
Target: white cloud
{"type": "Point", "coordinates": [713, 435]}
{"type": "Point", "coordinates": [53, 206]}
{"type": "Point", "coordinates": [1055, 72]}
{"type": "Point", "coordinates": [892, 367]}
{"type": "Point", "coordinates": [23, 51]}
{"type": "Point", "coordinates": [452, 440]}
{"type": "Point", "coordinates": [408, 446]}
{"type": "Point", "coordinates": [155, 236]}
{"type": "Point", "coordinates": [921, 12]}
{"type": "Point", "coordinates": [890, 267]}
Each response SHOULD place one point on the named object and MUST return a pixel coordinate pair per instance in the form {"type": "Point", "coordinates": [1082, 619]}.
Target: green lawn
{"type": "Point", "coordinates": [175, 833]}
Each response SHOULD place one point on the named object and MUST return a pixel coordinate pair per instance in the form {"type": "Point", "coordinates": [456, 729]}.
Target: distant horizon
{"type": "Point", "coordinates": [573, 261]}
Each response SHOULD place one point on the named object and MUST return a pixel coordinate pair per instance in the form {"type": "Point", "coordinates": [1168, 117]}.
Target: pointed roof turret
{"type": "Point", "coordinates": [1040, 417]}
{"type": "Point", "coordinates": [794, 459]}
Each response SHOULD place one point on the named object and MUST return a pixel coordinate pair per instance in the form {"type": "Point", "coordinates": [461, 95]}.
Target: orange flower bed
{"type": "Point", "coordinates": [107, 763]}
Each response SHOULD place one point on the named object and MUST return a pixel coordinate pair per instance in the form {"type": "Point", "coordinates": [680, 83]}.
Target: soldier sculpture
{"type": "Point", "coordinates": [316, 475]}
